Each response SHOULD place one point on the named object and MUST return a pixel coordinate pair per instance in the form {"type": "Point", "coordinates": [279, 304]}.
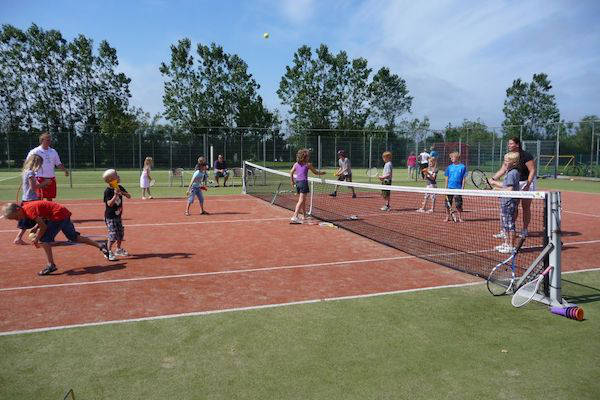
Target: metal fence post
{"type": "Point", "coordinates": [592, 147]}
{"type": "Point", "coordinates": [93, 150]}
{"type": "Point", "coordinates": [264, 146]}
{"type": "Point", "coordinates": [370, 154]}
{"type": "Point", "coordinates": [140, 148]}
{"type": "Point", "coordinates": [478, 154]}
{"type": "Point", "coordinates": [171, 151]}
{"type": "Point", "coordinates": [557, 150]}
{"type": "Point", "coordinates": [8, 163]}
{"type": "Point", "coordinates": [70, 169]}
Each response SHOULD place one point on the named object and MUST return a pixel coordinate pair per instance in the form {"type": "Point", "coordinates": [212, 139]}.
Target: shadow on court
{"type": "Point", "coordinates": [96, 269]}
{"type": "Point", "coordinates": [578, 293]}
{"type": "Point", "coordinates": [159, 255]}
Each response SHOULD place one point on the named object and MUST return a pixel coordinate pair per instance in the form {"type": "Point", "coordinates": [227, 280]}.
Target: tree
{"type": "Point", "coordinates": [469, 132]}
{"type": "Point", "coordinates": [389, 97]}
{"type": "Point", "coordinates": [531, 106]}
{"type": "Point", "coordinates": [214, 90]}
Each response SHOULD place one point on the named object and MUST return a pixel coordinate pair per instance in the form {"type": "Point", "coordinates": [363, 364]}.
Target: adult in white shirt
{"type": "Point", "coordinates": [423, 160]}
{"type": "Point", "coordinates": [51, 161]}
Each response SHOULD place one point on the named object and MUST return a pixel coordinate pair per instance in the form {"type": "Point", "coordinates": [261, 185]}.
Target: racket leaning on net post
{"type": "Point", "coordinates": [480, 180]}
{"type": "Point", "coordinates": [372, 172]}
{"type": "Point", "coordinates": [502, 278]}
{"type": "Point", "coordinates": [527, 292]}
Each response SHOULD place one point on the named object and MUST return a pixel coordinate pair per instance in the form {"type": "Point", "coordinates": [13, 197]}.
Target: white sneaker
{"type": "Point", "coordinates": [420, 210]}
{"type": "Point", "coordinates": [121, 252]}
{"type": "Point", "coordinates": [523, 233]}
{"type": "Point", "coordinates": [295, 220]}
{"type": "Point", "coordinates": [500, 235]}
{"type": "Point", "coordinates": [112, 257]}
{"type": "Point", "coordinates": [385, 208]}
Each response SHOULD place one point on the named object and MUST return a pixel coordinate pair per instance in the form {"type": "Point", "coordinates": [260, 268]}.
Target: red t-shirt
{"type": "Point", "coordinates": [45, 209]}
{"type": "Point", "coordinates": [412, 161]}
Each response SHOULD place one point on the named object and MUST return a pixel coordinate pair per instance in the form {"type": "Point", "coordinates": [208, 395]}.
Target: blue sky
{"type": "Point", "coordinates": [458, 57]}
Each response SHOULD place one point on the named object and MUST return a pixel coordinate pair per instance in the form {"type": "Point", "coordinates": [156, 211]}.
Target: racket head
{"type": "Point", "coordinates": [372, 172]}
{"type": "Point", "coordinates": [501, 279]}
{"type": "Point", "coordinates": [527, 292]}
{"type": "Point", "coordinates": [152, 182]}
{"type": "Point", "coordinates": [115, 184]}
{"type": "Point", "coordinates": [480, 180]}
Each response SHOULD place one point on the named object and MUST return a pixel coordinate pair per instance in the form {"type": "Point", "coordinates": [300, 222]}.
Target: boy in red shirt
{"type": "Point", "coordinates": [50, 218]}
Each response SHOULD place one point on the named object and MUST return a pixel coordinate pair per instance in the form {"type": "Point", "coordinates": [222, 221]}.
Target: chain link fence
{"type": "Point", "coordinates": [277, 148]}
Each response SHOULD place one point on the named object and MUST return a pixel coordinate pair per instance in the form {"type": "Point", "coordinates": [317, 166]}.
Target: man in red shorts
{"type": "Point", "coordinates": [51, 160]}
{"type": "Point", "coordinates": [50, 218]}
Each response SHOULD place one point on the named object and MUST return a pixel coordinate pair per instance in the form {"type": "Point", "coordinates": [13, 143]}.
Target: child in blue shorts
{"type": "Point", "coordinates": [196, 186]}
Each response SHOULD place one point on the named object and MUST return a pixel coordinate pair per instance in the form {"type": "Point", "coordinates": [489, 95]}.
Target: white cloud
{"type": "Point", "coordinates": [297, 11]}
{"type": "Point", "coordinates": [471, 49]}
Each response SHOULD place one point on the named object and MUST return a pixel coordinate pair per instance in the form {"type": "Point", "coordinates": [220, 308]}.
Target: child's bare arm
{"type": "Point", "coordinates": [292, 174]}
{"type": "Point", "coordinates": [314, 170]}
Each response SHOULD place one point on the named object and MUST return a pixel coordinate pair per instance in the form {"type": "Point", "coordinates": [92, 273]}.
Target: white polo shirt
{"type": "Point", "coordinates": [51, 160]}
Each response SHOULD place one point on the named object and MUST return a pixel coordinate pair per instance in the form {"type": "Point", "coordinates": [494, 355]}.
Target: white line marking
{"type": "Point", "coordinates": [237, 309]}
{"type": "Point", "coordinates": [584, 214]}
{"type": "Point", "coordinates": [239, 271]}
{"type": "Point", "coordinates": [10, 177]}
{"type": "Point", "coordinates": [212, 199]}
{"type": "Point", "coordinates": [83, 227]}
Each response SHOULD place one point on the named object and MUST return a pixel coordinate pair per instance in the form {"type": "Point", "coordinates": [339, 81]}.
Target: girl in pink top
{"type": "Point", "coordinates": [299, 179]}
{"type": "Point", "coordinates": [412, 164]}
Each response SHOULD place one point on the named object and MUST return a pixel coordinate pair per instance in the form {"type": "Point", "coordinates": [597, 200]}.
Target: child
{"type": "Point", "coordinates": [344, 172]}
{"type": "Point", "coordinates": [113, 213]}
{"type": "Point", "coordinates": [386, 179]}
{"type": "Point", "coordinates": [196, 186]}
{"type": "Point", "coordinates": [145, 178]}
{"type": "Point", "coordinates": [431, 176]}
{"type": "Point", "coordinates": [50, 218]}
{"type": "Point", "coordinates": [508, 205]}
{"type": "Point", "coordinates": [412, 165]}
{"type": "Point", "coordinates": [30, 186]}
{"type": "Point", "coordinates": [455, 179]}
{"type": "Point", "coordinates": [300, 169]}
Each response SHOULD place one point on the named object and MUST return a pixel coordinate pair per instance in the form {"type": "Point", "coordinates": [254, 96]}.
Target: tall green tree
{"type": "Point", "coordinates": [532, 106]}
{"type": "Point", "coordinates": [212, 89]}
{"type": "Point", "coordinates": [389, 97]}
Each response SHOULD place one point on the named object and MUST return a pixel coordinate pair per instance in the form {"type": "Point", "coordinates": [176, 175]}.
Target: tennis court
{"type": "Point", "coordinates": [245, 256]}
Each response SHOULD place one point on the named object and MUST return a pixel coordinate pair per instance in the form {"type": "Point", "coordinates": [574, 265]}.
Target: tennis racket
{"type": "Point", "coordinates": [372, 172]}
{"type": "Point", "coordinates": [451, 210]}
{"type": "Point", "coordinates": [152, 182]}
{"type": "Point", "coordinates": [502, 278]}
{"type": "Point", "coordinates": [526, 292]}
{"type": "Point", "coordinates": [480, 180]}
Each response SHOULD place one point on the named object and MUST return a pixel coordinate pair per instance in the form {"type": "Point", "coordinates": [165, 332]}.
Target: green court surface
{"type": "Point", "coordinates": [89, 185]}
{"type": "Point", "coordinates": [452, 343]}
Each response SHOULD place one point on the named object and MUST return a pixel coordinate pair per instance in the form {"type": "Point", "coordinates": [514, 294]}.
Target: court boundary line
{"type": "Point", "coordinates": [237, 309]}
{"type": "Point", "coordinates": [251, 308]}
{"type": "Point", "coordinates": [579, 213]}
{"type": "Point", "coordinates": [82, 227]}
{"type": "Point", "coordinates": [266, 269]}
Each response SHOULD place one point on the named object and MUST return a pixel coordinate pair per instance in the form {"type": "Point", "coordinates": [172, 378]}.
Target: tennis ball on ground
{"type": "Point", "coordinates": [32, 235]}
{"type": "Point", "coordinates": [266, 35]}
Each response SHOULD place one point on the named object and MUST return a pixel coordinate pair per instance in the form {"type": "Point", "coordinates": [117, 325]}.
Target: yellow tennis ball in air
{"type": "Point", "coordinates": [266, 35]}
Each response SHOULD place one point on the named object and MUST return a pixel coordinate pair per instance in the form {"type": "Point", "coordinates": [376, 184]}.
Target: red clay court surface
{"type": "Point", "coordinates": [245, 254]}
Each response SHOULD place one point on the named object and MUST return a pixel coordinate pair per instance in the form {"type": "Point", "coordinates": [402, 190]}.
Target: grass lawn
{"type": "Point", "coordinates": [457, 343]}
{"type": "Point", "coordinates": [89, 185]}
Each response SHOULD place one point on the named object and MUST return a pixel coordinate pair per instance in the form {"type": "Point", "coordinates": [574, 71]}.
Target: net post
{"type": "Point", "coordinates": [554, 223]}
{"type": "Point", "coordinates": [244, 177]}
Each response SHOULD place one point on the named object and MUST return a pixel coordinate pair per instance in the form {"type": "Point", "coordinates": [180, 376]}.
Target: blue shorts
{"type": "Point", "coordinates": [302, 187]}
{"type": "Point", "coordinates": [196, 192]}
{"type": "Point", "coordinates": [507, 214]}
{"type": "Point", "coordinates": [53, 227]}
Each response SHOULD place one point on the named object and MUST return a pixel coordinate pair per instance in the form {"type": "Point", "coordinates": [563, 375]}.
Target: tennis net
{"type": "Point", "coordinates": [469, 246]}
